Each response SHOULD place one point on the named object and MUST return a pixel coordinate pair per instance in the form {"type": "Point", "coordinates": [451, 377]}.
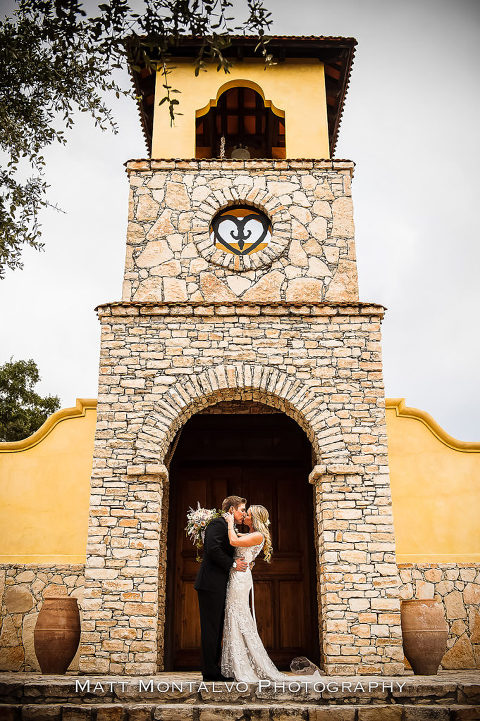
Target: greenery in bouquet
{"type": "Point", "coordinates": [197, 522]}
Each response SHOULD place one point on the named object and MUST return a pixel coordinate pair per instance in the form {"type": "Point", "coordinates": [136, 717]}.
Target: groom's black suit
{"type": "Point", "coordinates": [211, 587]}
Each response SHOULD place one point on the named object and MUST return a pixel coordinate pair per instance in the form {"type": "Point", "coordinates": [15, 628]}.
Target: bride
{"type": "Point", "coordinates": [243, 654]}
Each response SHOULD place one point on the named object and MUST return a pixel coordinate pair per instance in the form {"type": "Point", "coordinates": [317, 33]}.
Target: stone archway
{"type": "Point", "coordinates": [262, 383]}
{"type": "Point", "coordinates": [255, 451]}
{"type": "Point", "coordinates": [233, 382]}
{"type": "Point", "coordinates": [357, 580]}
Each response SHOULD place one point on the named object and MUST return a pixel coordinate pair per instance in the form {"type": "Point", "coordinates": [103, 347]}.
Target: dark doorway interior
{"type": "Point", "coordinates": [265, 458]}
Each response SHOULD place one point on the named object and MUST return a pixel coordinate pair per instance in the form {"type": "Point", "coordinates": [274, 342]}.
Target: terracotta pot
{"type": "Point", "coordinates": [57, 634]}
{"type": "Point", "coordinates": [425, 634]}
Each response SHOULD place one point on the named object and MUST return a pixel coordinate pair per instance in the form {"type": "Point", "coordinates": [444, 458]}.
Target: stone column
{"type": "Point", "coordinates": [120, 609]}
{"type": "Point", "coordinates": [358, 575]}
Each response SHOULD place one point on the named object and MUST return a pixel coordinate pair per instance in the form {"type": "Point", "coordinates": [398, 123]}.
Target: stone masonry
{"type": "Point", "coordinates": [23, 587]}
{"type": "Point", "coordinates": [457, 586]}
{"type": "Point", "coordinates": [170, 255]}
{"type": "Point", "coordinates": [318, 363]}
{"type": "Point", "coordinates": [283, 327]}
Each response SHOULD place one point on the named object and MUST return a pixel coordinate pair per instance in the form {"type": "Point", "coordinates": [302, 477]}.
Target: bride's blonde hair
{"type": "Point", "coordinates": [261, 522]}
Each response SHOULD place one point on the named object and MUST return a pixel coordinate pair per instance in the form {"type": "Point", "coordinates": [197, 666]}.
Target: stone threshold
{"type": "Point", "coordinates": [447, 689]}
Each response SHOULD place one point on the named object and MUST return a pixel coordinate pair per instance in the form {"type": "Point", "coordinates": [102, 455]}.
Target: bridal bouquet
{"type": "Point", "coordinates": [197, 522]}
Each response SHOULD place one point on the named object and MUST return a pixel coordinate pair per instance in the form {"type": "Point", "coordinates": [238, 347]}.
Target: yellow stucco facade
{"type": "Point", "coordinates": [45, 487]}
{"type": "Point", "coordinates": [295, 88]}
{"type": "Point", "coordinates": [435, 482]}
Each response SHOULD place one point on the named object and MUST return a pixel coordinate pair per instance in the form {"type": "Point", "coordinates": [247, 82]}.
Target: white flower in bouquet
{"type": "Point", "coordinates": [197, 522]}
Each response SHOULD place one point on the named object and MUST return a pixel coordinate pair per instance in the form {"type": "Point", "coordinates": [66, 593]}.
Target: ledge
{"type": "Point", "coordinates": [196, 164]}
{"type": "Point", "coordinates": [222, 308]}
{"type": "Point", "coordinates": [335, 469]}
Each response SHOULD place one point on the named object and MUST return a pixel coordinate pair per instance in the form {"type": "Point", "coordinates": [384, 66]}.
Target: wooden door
{"type": "Point", "coordinates": [266, 459]}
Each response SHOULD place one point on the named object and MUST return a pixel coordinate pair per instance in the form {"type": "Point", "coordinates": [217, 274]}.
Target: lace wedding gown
{"type": "Point", "coordinates": [243, 654]}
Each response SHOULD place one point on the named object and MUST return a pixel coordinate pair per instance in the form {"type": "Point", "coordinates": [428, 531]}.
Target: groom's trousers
{"type": "Point", "coordinates": [212, 612]}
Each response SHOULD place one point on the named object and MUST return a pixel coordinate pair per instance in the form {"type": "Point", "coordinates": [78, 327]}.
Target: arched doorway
{"type": "Point", "coordinates": [262, 454]}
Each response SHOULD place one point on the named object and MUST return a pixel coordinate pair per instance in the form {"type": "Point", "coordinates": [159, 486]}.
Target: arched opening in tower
{"type": "Point", "coordinates": [240, 125]}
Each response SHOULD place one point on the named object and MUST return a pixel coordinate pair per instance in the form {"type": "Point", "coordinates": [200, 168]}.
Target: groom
{"type": "Point", "coordinates": [211, 585]}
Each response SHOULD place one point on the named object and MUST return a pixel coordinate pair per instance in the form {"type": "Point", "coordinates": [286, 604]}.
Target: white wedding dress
{"type": "Point", "coordinates": [244, 657]}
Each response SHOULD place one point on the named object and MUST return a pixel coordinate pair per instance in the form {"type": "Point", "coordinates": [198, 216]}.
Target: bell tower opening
{"type": "Point", "coordinates": [240, 125]}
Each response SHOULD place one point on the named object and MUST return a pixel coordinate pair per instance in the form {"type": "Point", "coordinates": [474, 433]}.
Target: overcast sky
{"type": "Point", "coordinates": [411, 124]}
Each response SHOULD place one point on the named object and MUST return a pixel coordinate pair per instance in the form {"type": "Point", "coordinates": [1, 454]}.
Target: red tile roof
{"type": "Point", "coordinates": [335, 52]}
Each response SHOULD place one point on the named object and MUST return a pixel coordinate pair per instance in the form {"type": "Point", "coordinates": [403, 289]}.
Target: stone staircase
{"type": "Point", "coordinates": [449, 696]}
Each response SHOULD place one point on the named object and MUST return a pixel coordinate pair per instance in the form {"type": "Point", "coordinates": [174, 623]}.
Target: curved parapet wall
{"type": "Point", "coordinates": [45, 488]}
{"type": "Point", "coordinates": [435, 484]}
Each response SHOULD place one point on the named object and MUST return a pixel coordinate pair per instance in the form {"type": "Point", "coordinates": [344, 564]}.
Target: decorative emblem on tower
{"type": "Point", "coordinates": [241, 230]}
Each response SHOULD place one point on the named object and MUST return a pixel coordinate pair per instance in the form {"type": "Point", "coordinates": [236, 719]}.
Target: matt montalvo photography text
{"type": "Point", "coordinates": [148, 686]}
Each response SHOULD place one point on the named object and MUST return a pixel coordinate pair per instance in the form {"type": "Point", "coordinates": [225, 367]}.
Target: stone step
{"type": "Point", "coordinates": [234, 712]}
{"type": "Point", "coordinates": [446, 688]}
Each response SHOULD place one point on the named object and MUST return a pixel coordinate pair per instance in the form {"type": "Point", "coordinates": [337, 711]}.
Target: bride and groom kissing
{"type": "Point", "coordinates": [223, 584]}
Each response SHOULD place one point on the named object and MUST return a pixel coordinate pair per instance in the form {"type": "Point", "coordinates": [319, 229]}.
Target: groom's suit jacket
{"type": "Point", "coordinates": [217, 558]}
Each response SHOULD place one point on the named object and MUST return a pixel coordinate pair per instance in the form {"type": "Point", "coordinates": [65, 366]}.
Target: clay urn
{"type": "Point", "coordinates": [57, 634]}
{"type": "Point", "coordinates": [425, 633]}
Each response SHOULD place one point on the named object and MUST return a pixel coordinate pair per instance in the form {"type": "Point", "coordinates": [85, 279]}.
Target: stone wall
{"type": "Point", "coordinates": [320, 364]}
{"type": "Point", "coordinates": [23, 588]}
{"type": "Point", "coordinates": [457, 585]}
{"type": "Point", "coordinates": [170, 255]}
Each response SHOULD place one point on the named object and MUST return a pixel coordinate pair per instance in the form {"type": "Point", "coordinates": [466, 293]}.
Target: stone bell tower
{"type": "Point", "coordinates": [241, 288]}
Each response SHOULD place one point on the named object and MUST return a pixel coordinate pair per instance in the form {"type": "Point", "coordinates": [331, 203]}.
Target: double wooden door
{"type": "Point", "coordinates": [272, 473]}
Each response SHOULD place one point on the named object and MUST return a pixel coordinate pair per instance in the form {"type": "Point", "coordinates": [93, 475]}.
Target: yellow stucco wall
{"type": "Point", "coordinates": [45, 489]}
{"type": "Point", "coordinates": [45, 486]}
{"type": "Point", "coordinates": [435, 482]}
{"type": "Point", "coordinates": [295, 87]}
